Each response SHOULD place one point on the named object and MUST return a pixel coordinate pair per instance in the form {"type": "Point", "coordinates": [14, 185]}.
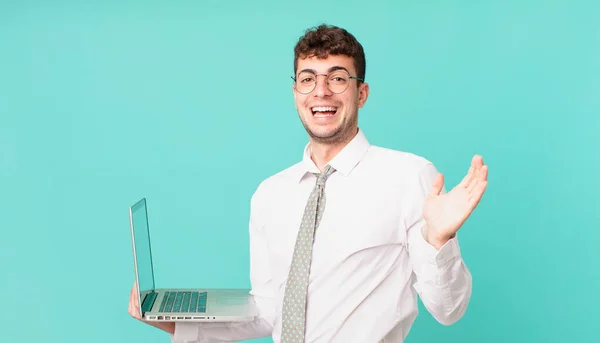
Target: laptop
{"type": "Point", "coordinates": [177, 304]}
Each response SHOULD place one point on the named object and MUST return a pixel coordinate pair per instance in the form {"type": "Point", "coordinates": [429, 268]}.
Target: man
{"type": "Point", "coordinates": [343, 242]}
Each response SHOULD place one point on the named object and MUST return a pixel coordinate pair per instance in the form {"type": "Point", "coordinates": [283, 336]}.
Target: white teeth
{"type": "Point", "coordinates": [324, 109]}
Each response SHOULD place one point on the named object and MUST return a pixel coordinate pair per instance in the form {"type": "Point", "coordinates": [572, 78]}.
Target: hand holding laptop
{"type": "Point", "coordinates": [134, 311]}
{"type": "Point", "coordinates": [162, 307]}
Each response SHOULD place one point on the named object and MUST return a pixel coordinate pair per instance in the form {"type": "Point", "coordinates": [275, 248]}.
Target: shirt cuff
{"type": "Point", "coordinates": [438, 258]}
{"type": "Point", "coordinates": [447, 252]}
{"type": "Point", "coordinates": [185, 333]}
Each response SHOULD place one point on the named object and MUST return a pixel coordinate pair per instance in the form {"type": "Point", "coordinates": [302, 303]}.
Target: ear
{"type": "Point", "coordinates": [363, 94]}
{"type": "Point", "coordinates": [298, 99]}
{"type": "Point", "coordinates": [294, 93]}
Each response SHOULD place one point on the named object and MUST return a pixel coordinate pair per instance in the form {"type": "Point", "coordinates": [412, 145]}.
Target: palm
{"type": "Point", "coordinates": [446, 213]}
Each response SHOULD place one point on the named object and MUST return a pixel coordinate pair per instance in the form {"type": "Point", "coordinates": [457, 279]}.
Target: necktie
{"type": "Point", "coordinates": [294, 300]}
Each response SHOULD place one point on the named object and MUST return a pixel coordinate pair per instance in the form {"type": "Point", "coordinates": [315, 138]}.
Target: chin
{"type": "Point", "coordinates": [332, 132]}
{"type": "Point", "coordinates": [332, 135]}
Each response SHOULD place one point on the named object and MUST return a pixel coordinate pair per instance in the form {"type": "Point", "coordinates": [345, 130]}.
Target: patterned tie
{"type": "Point", "coordinates": [294, 301]}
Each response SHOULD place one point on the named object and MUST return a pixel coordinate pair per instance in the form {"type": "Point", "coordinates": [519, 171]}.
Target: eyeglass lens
{"type": "Point", "coordinates": [337, 81]}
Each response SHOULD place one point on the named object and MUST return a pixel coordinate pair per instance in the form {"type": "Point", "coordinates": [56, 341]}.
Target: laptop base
{"type": "Point", "coordinates": [221, 305]}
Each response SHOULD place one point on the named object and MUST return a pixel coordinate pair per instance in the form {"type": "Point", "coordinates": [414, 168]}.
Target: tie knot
{"type": "Point", "coordinates": [322, 177]}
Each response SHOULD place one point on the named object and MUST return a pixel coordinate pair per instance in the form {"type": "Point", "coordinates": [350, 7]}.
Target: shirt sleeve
{"type": "Point", "coordinates": [261, 291]}
{"type": "Point", "coordinates": [443, 281]}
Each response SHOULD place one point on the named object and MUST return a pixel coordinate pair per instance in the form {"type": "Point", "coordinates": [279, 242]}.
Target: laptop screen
{"type": "Point", "coordinates": [143, 253]}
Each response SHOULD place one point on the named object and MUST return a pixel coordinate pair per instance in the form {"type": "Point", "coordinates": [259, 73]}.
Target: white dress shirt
{"type": "Point", "coordinates": [370, 258]}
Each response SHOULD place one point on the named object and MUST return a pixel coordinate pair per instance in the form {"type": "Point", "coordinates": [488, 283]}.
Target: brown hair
{"type": "Point", "coordinates": [324, 40]}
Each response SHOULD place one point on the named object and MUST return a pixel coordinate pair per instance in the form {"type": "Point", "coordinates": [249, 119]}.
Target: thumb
{"type": "Point", "coordinates": [437, 185]}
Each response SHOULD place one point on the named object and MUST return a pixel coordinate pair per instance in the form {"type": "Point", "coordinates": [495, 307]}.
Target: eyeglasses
{"type": "Point", "coordinates": [337, 81]}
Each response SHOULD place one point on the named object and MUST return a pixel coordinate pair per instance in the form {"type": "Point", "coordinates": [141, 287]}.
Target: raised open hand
{"type": "Point", "coordinates": [446, 213]}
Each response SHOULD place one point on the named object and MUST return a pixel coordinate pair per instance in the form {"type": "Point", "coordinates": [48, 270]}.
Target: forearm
{"type": "Point", "coordinates": [168, 327]}
{"type": "Point", "coordinates": [200, 332]}
{"type": "Point", "coordinates": [221, 332]}
{"type": "Point", "coordinates": [444, 285]}
{"type": "Point", "coordinates": [261, 326]}
{"type": "Point", "coordinates": [443, 280]}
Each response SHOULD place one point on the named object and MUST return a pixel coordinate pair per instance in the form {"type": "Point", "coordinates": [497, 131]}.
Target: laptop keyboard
{"type": "Point", "coordinates": [183, 302]}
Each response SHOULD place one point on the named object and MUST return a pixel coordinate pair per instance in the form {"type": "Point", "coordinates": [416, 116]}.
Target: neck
{"type": "Point", "coordinates": [322, 153]}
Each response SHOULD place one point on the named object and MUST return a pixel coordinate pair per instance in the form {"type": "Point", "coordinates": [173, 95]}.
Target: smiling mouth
{"type": "Point", "coordinates": [323, 111]}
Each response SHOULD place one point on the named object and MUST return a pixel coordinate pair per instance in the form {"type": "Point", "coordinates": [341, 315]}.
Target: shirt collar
{"type": "Point", "coordinates": [344, 162]}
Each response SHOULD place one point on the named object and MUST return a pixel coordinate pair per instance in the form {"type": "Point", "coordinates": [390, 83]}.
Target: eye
{"type": "Point", "coordinates": [338, 78]}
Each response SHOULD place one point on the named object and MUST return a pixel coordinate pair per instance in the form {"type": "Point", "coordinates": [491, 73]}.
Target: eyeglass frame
{"type": "Point", "coordinates": [326, 80]}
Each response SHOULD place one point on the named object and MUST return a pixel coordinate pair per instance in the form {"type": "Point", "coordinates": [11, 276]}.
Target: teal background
{"type": "Point", "coordinates": [190, 105]}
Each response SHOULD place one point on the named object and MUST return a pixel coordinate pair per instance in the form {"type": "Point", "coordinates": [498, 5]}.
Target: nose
{"type": "Point", "coordinates": [321, 88]}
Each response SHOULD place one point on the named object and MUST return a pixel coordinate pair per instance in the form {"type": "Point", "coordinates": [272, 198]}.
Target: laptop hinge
{"type": "Point", "coordinates": [148, 301]}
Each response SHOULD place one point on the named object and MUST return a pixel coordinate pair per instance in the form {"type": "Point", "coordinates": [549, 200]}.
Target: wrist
{"type": "Point", "coordinates": [437, 243]}
{"type": "Point", "coordinates": [436, 240]}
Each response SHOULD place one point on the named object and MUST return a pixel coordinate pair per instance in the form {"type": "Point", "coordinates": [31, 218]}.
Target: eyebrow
{"type": "Point", "coordinates": [331, 69]}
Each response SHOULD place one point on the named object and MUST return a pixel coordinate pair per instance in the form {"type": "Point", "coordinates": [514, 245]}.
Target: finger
{"type": "Point", "coordinates": [477, 194]}
{"type": "Point", "coordinates": [476, 164]}
{"type": "Point", "coordinates": [473, 185]}
{"type": "Point", "coordinates": [467, 179]}
{"type": "Point", "coordinates": [483, 173]}
{"type": "Point", "coordinates": [131, 310]}
{"type": "Point", "coordinates": [131, 305]}
{"type": "Point", "coordinates": [481, 169]}
{"type": "Point", "coordinates": [134, 295]}
{"type": "Point", "coordinates": [474, 180]}
{"type": "Point", "coordinates": [134, 303]}
{"type": "Point", "coordinates": [477, 161]}
{"type": "Point", "coordinates": [134, 311]}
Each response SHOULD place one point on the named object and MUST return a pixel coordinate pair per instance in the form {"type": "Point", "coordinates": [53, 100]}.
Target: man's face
{"type": "Point", "coordinates": [329, 117]}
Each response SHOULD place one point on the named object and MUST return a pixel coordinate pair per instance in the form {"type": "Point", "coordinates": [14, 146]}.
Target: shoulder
{"type": "Point", "coordinates": [410, 174]}
{"type": "Point", "coordinates": [277, 182]}
{"type": "Point", "coordinates": [408, 165]}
